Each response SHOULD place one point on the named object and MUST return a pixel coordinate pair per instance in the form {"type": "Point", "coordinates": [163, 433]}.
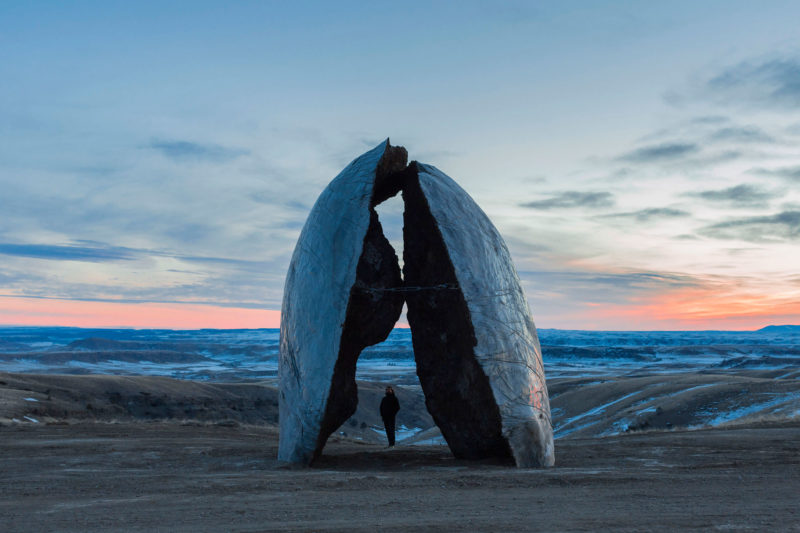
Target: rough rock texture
{"type": "Point", "coordinates": [477, 352]}
{"type": "Point", "coordinates": [319, 282]}
{"type": "Point", "coordinates": [507, 345]}
{"type": "Point", "coordinates": [457, 392]}
{"type": "Point", "coordinates": [371, 314]}
{"type": "Point", "coordinates": [389, 174]}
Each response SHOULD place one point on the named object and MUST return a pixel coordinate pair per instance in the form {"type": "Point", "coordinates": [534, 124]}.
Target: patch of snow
{"type": "Point", "coordinates": [693, 388]}
{"type": "Point", "coordinates": [31, 400]}
{"type": "Point", "coordinates": [561, 432]}
{"type": "Point", "coordinates": [433, 441]}
{"type": "Point", "coordinates": [401, 433]}
{"type": "Point", "coordinates": [620, 426]}
{"type": "Point", "coordinates": [41, 344]}
{"type": "Point", "coordinates": [755, 408]}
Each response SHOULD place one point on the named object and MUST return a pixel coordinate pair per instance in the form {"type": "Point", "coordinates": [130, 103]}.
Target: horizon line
{"type": "Point", "coordinates": [134, 328]}
{"type": "Point", "coordinates": [21, 311]}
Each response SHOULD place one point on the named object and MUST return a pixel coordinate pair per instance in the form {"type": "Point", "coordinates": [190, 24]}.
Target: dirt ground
{"type": "Point", "coordinates": [165, 476]}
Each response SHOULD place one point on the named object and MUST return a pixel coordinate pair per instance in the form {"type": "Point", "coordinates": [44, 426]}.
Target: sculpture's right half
{"type": "Point", "coordinates": [475, 344]}
{"type": "Point", "coordinates": [476, 348]}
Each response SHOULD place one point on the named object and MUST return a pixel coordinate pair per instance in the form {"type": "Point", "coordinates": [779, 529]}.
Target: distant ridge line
{"type": "Point", "coordinates": [782, 328]}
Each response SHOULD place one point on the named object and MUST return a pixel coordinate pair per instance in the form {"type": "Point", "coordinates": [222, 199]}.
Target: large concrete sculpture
{"type": "Point", "coordinates": [475, 345]}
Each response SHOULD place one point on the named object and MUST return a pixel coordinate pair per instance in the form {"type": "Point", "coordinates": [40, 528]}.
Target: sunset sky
{"type": "Point", "coordinates": [641, 159]}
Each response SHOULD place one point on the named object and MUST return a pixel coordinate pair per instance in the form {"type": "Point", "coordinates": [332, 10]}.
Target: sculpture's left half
{"type": "Point", "coordinates": [334, 304]}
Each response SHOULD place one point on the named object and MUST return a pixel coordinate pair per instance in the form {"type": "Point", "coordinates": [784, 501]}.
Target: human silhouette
{"type": "Point", "coordinates": [389, 407]}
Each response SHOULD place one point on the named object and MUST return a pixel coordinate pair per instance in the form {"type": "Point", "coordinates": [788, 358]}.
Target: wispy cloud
{"type": "Point", "coordinates": [787, 173]}
{"type": "Point", "coordinates": [741, 134]}
{"type": "Point", "coordinates": [628, 280]}
{"type": "Point", "coordinates": [646, 215]}
{"type": "Point", "coordinates": [784, 226]}
{"type": "Point", "coordinates": [191, 151]}
{"type": "Point", "coordinates": [738, 196]}
{"type": "Point", "coordinates": [561, 295]}
{"type": "Point", "coordinates": [242, 264]}
{"type": "Point", "coordinates": [568, 199]}
{"type": "Point", "coordinates": [771, 82]}
{"type": "Point", "coordinates": [712, 306]}
{"type": "Point", "coordinates": [698, 141]}
{"type": "Point", "coordinates": [94, 254]}
{"type": "Point", "coordinates": [272, 199]}
{"type": "Point", "coordinates": [216, 280]}
{"type": "Point", "coordinates": [660, 152]}
{"type": "Point", "coordinates": [712, 120]}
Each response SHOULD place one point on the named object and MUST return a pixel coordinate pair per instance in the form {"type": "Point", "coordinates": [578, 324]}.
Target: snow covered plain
{"type": "Point", "coordinates": [600, 383]}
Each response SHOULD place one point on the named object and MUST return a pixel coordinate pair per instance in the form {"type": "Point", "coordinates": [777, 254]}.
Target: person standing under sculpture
{"type": "Point", "coordinates": [389, 407]}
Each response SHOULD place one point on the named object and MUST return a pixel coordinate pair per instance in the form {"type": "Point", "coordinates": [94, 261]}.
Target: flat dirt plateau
{"type": "Point", "coordinates": [114, 453]}
{"type": "Point", "coordinates": [163, 476]}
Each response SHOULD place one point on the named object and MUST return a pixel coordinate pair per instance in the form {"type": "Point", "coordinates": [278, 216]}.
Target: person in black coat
{"type": "Point", "coordinates": [389, 408]}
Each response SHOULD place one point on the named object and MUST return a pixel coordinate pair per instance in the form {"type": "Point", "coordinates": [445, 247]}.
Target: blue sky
{"type": "Point", "coordinates": [641, 159]}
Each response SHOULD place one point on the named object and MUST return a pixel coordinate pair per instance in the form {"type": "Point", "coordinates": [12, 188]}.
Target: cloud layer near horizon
{"type": "Point", "coordinates": [144, 166]}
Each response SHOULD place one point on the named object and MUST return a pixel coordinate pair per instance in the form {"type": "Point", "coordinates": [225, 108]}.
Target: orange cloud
{"type": "Point", "coordinates": [45, 312]}
{"type": "Point", "coordinates": [701, 308]}
{"type": "Point", "coordinates": [695, 309]}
